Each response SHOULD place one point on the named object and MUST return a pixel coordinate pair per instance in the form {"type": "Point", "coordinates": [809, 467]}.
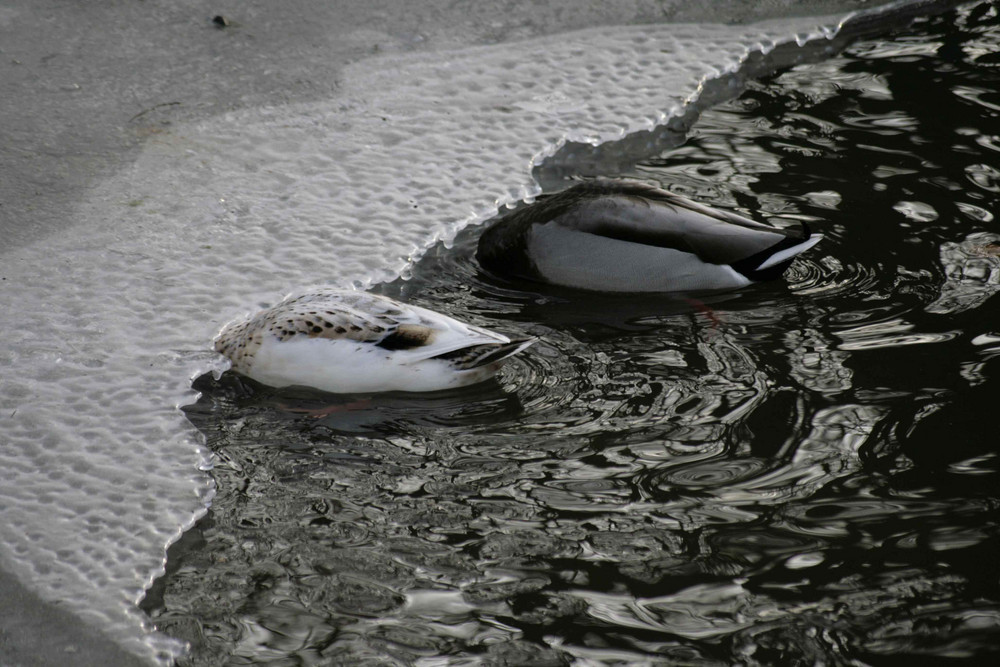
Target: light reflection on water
{"type": "Point", "coordinates": [791, 474]}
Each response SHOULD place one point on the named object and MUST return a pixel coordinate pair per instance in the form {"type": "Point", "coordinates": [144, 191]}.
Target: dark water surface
{"type": "Point", "coordinates": [798, 473]}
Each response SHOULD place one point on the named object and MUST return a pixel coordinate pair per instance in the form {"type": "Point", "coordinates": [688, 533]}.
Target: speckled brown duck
{"type": "Point", "coordinates": [345, 341]}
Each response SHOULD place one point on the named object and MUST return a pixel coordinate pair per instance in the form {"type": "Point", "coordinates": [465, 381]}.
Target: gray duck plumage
{"type": "Point", "coordinates": [616, 236]}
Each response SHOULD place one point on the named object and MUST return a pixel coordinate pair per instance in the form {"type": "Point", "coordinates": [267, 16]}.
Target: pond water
{"type": "Point", "coordinates": [803, 472]}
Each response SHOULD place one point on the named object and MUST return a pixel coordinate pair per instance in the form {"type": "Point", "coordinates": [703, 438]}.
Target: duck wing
{"type": "Point", "coordinates": [653, 217]}
{"type": "Point", "coordinates": [418, 334]}
{"type": "Point", "coordinates": [476, 356]}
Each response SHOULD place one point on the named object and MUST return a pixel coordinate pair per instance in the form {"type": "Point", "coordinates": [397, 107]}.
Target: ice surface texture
{"type": "Point", "coordinates": [106, 324]}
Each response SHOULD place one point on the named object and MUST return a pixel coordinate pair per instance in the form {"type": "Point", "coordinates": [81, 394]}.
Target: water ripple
{"type": "Point", "coordinates": [830, 277]}
{"type": "Point", "coordinates": [890, 333]}
{"type": "Point", "coordinates": [713, 474]}
{"type": "Point", "coordinates": [770, 476]}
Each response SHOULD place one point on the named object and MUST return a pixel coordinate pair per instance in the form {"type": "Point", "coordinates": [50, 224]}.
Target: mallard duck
{"type": "Point", "coordinates": [344, 341]}
{"type": "Point", "coordinates": [613, 236]}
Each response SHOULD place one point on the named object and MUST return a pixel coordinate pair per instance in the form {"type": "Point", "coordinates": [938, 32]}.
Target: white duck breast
{"type": "Point", "coordinates": [353, 342]}
{"type": "Point", "coordinates": [629, 237]}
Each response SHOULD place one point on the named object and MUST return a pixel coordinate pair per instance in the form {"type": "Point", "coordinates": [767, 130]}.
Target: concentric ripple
{"type": "Point", "coordinates": [828, 277]}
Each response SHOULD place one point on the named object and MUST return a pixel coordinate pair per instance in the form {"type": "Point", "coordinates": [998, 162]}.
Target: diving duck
{"type": "Point", "coordinates": [615, 236]}
{"type": "Point", "coordinates": [345, 341]}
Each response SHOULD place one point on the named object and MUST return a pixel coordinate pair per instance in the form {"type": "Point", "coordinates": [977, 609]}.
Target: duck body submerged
{"type": "Point", "coordinates": [615, 236]}
{"type": "Point", "coordinates": [344, 341]}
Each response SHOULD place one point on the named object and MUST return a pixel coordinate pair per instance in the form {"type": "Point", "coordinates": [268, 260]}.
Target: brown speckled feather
{"type": "Point", "coordinates": [355, 316]}
{"type": "Point", "coordinates": [380, 334]}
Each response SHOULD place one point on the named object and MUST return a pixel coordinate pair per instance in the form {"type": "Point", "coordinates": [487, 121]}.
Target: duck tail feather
{"type": "Point", "coordinates": [769, 264]}
{"type": "Point", "coordinates": [788, 253]}
{"type": "Point", "coordinates": [484, 354]}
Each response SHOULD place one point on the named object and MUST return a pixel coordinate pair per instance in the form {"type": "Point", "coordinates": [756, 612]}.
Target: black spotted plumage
{"type": "Point", "coordinates": [421, 349]}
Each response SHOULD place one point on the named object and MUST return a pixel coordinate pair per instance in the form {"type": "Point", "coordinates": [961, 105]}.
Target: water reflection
{"type": "Point", "coordinates": [791, 474]}
{"type": "Point", "coordinates": [302, 410]}
{"type": "Point", "coordinates": [972, 273]}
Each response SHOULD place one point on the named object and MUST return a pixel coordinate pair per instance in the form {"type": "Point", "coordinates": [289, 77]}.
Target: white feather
{"type": "Point", "coordinates": [788, 253]}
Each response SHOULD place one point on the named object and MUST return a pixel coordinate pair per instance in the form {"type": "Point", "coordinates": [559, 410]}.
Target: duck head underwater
{"type": "Point", "coordinates": [613, 236]}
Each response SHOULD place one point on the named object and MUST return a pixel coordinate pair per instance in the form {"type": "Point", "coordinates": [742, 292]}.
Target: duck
{"type": "Point", "coordinates": [625, 236]}
{"type": "Point", "coordinates": [348, 341]}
